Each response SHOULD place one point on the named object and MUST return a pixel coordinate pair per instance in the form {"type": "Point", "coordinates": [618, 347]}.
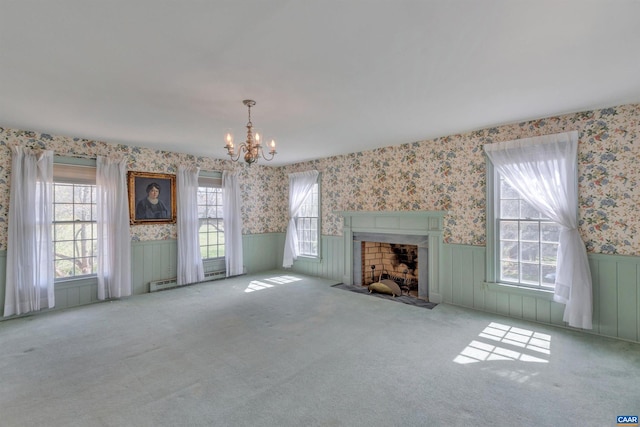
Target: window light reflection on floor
{"type": "Point", "coordinates": [517, 344]}
{"type": "Point", "coordinates": [258, 285]}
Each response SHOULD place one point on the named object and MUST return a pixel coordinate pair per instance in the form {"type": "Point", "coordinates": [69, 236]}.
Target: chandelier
{"type": "Point", "coordinates": [252, 147]}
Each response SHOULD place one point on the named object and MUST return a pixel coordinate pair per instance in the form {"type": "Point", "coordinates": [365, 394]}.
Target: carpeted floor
{"type": "Point", "coordinates": [405, 299]}
{"type": "Point", "coordinates": [283, 349]}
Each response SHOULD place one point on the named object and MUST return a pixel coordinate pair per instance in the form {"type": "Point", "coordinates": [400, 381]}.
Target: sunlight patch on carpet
{"type": "Point", "coordinates": [258, 285]}
{"type": "Point", "coordinates": [516, 344]}
{"type": "Point", "coordinates": [284, 279]}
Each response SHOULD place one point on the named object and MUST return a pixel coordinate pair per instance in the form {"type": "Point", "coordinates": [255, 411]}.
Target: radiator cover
{"type": "Point", "coordinates": [161, 285]}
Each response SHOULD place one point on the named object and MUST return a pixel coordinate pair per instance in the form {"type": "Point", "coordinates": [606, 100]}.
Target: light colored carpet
{"type": "Point", "coordinates": [281, 349]}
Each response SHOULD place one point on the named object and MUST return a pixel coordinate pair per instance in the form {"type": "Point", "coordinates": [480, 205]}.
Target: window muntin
{"type": "Point", "coordinates": [211, 228]}
{"type": "Point", "coordinates": [527, 241]}
{"type": "Point", "coordinates": [307, 224]}
{"type": "Point", "coordinates": [75, 231]}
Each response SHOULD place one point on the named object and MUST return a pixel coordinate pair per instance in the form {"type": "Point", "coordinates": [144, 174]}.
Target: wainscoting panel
{"type": "Point", "coordinates": [152, 260]}
{"type": "Point", "coordinates": [616, 284]}
{"type": "Point", "coordinates": [464, 266]}
{"type": "Point", "coordinates": [76, 292]}
{"type": "Point", "coordinates": [331, 264]}
{"type": "Point", "coordinates": [158, 259]}
{"type": "Point", "coordinates": [67, 294]}
{"type": "Point", "coordinates": [262, 252]}
{"type": "Point", "coordinates": [627, 301]}
{"type": "Point", "coordinates": [3, 275]}
{"type": "Point", "coordinates": [616, 292]}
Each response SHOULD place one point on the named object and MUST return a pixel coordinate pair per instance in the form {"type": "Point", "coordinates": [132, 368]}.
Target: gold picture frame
{"type": "Point", "coordinates": [152, 198]}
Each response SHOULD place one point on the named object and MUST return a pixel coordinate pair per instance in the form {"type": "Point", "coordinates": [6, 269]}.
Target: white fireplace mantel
{"type": "Point", "coordinates": [415, 223]}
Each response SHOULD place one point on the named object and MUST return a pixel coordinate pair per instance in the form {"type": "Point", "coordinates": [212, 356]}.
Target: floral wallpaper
{"type": "Point", "coordinates": [261, 186]}
{"type": "Point", "coordinates": [446, 173]}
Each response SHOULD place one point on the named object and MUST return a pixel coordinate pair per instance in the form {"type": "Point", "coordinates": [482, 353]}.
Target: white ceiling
{"type": "Point", "coordinates": [329, 77]}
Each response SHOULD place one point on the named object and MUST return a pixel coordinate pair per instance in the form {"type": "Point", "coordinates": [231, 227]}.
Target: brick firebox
{"type": "Point", "coordinates": [397, 261]}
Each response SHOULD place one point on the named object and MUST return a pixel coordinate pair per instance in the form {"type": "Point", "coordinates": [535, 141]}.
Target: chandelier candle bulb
{"type": "Point", "coordinates": [228, 139]}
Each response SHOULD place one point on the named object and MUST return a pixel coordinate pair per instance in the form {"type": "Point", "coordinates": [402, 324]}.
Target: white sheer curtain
{"type": "Point", "coordinates": [232, 220]}
{"type": "Point", "coordinates": [300, 185]}
{"type": "Point", "coordinates": [114, 239]}
{"type": "Point", "coordinates": [190, 269]}
{"type": "Point", "coordinates": [29, 271]}
{"type": "Point", "coordinates": [543, 171]}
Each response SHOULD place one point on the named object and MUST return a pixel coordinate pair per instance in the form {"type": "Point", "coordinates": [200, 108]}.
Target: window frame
{"type": "Point", "coordinates": [493, 279]}
{"type": "Point", "coordinates": [211, 180]}
{"type": "Point", "coordinates": [74, 171]}
{"type": "Point", "coordinates": [318, 234]}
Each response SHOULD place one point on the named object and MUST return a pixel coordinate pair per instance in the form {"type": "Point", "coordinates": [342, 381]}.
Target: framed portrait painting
{"type": "Point", "coordinates": [152, 198]}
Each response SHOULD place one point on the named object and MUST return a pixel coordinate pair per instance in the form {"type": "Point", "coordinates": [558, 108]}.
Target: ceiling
{"type": "Point", "coordinates": [329, 77]}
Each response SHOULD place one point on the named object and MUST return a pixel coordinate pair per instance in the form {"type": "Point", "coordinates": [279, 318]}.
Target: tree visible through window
{"type": "Point", "coordinates": [74, 230]}
{"type": "Point", "coordinates": [307, 224]}
{"type": "Point", "coordinates": [527, 241]}
{"type": "Point", "coordinates": [211, 230]}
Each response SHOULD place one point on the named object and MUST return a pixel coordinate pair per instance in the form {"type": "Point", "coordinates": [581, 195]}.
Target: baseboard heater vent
{"type": "Point", "coordinates": [161, 285]}
{"type": "Point", "coordinates": [213, 275]}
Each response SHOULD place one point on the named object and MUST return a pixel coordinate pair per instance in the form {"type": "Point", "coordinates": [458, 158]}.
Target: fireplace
{"type": "Point", "coordinates": [395, 256]}
{"type": "Point", "coordinates": [420, 229]}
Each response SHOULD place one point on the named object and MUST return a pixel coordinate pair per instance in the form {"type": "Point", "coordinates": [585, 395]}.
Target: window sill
{"type": "Point", "coordinates": [216, 259]}
{"type": "Point", "coordinates": [306, 258]}
{"type": "Point", "coordinates": [76, 282]}
{"type": "Point", "coordinates": [519, 290]}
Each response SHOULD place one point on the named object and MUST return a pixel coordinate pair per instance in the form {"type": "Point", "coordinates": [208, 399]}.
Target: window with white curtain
{"type": "Point", "coordinates": [211, 230]}
{"type": "Point", "coordinates": [308, 224]}
{"type": "Point", "coordinates": [75, 231]}
{"type": "Point", "coordinates": [543, 172]}
{"type": "Point", "coordinates": [526, 241]}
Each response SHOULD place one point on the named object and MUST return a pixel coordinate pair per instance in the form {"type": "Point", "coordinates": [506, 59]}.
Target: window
{"type": "Point", "coordinates": [520, 241]}
{"type": "Point", "coordinates": [75, 232]}
{"type": "Point", "coordinates": [308, 225]}
{"type": "Point", "coordinates": [527, 242]}
{"type": "Point", "coordinates": [211, 230]}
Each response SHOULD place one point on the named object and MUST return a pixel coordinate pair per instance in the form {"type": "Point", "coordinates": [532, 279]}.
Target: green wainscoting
{"type": "Point", "coordinates": [262, 252]}
{"type": "Point", "coordinates": [3, 275]}
{"type": "Point", "coordinates": [616, 295]}
{"type": "Point", "coordinates": [616, 281]}
{"type": "Point", "coordinates": [152, 260]}
{"type": "Point", "coordinates": [76, 292]}
{"type": "Point", "coordinates": [616, 288]}
{"type": "Point", "coordinates": [331, 262]}
{"type": "Point", "coordinates": [68, 294]}
{"type": "Point", "coordinates": [157, 260]}
{"type": "Point", "coordinates": [464, 285]}
{"type": "Point", "coordinates": [616, 292]}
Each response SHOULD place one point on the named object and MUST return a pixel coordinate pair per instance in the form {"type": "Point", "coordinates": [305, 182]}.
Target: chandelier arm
{"type": "Point", "coordinates": [273, 153]}
{"type": "Point", "coordinates": [241, 148]}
